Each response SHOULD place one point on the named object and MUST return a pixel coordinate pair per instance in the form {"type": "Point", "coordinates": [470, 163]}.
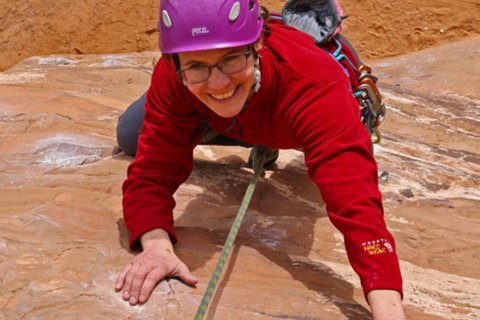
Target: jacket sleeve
{"type": "Point", "coordinates": [339, 159]}
{"type": "Point", "coordinates": [164, 157]}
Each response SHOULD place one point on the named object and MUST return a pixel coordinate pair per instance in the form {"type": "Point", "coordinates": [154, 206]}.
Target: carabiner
{"type": "Point", "coordinates": [376, 136]}
{"type": "Point", "coordinates": [363, 69]}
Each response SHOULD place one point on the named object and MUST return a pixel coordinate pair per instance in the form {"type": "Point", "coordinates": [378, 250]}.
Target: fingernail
{"type": "Point", "coordinates": [117, 286]}
{"type": "Point", "coordinates": [142, 298]}
{"type": "Point", "coordinates": [126, 295]}
{"type": "Point", "coordinates": [132, 300]}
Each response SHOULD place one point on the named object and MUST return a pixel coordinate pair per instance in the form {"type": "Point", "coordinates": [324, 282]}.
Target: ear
{"type": "Point", "coordinates": [258, 45]}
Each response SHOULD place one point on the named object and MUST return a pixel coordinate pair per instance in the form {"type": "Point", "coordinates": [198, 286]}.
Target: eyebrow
{"type": "Point", "coordinates": [235, 50]}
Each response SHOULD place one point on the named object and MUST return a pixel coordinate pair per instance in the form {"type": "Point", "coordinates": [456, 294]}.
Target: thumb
{"type": "Point", "coordinates": [183, 273]}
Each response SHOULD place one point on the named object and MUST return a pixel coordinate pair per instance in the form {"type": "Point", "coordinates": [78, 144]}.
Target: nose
{"type": "Point", "coordinates": [218, 80]}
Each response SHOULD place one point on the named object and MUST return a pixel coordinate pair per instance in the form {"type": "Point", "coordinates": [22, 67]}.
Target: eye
{"type": "Point", "coordinates": [230, 61]}
{"type": "Point", "coordinates": [196, 66]}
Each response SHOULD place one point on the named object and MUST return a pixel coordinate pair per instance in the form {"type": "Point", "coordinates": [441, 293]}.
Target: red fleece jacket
{"type": "Point", "coordinates": [304, 101]}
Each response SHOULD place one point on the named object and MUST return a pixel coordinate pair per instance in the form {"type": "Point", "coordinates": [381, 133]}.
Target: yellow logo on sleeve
{"type": "Point", "coordinates": [377, 247]}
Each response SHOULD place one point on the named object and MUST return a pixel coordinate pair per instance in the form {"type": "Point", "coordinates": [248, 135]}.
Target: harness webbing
{"type": "Point", "coordinates": [258, 163]}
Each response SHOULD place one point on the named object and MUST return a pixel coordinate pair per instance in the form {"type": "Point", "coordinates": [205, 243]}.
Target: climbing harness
{"type": "Point", "coordinates": [259, 156]}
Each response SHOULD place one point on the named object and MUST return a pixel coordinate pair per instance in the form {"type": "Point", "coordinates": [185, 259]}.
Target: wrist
{"type": "Point", "coordinates": [386, 304]}
{"type": "Point", "coordinates": [156, 237]}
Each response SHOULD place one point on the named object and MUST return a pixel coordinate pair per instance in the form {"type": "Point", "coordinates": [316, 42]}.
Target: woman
{"type": "Point", "coordinates": [263, 84]}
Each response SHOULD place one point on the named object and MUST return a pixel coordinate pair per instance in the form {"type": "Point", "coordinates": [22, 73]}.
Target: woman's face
{"type": "Point", "coordinates": [224, 94]}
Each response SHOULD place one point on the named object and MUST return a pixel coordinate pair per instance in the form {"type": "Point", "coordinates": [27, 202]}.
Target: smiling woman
{"type": "Point", "coordinates": [225, 72]}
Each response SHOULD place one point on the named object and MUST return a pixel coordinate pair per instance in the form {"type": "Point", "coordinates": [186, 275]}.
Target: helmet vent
{"type": "Point", "coordinates": [166, 19]}
{"type": "Point", "coordinates": [251, 5]}
{"type": "Point", "coordinates": [235, 12]}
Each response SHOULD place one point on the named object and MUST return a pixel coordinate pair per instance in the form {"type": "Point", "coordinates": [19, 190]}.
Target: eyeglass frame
{"type": "Point", "coordinates": [216, 65]}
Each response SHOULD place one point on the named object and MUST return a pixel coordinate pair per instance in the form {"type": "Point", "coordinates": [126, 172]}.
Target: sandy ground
{"type": "Point", "coordinates": [377, 28]}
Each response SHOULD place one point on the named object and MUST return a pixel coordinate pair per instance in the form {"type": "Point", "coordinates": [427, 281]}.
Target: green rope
{"type": "Point", "coordinates": [258, 161]}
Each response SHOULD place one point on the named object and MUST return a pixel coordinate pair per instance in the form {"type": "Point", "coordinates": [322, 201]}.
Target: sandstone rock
{"type": "Point", "coordinates": [63, 240]}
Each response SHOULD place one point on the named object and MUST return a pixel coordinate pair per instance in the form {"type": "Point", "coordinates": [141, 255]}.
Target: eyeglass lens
{"type": "Point", "coordinates": [228, 65]}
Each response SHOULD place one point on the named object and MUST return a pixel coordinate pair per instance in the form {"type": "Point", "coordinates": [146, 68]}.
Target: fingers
{"type": "Point", "coordinates": [155, 276]}
{"type": "Point", "coordinates": [139, 278]}
{"type": "Point", "coordinates": [121, 278]}
{"type": "Point", "coordinates": [135, 278]}
{"type": "Point", "coordinates": [159, 273]}
{"type": "Point", "coordinates": [182, 272]}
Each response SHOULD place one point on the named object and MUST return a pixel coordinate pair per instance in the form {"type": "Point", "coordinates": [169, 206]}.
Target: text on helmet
{"type": "Point", "coordinates": [202, 30]}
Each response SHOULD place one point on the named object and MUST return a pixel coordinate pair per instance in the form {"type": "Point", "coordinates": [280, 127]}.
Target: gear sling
{"type": "Point", "coordinates": [323, 20]}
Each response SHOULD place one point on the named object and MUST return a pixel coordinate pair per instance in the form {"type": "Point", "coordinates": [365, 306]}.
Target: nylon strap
{"type": "Point", "coordinates": [258, 162]}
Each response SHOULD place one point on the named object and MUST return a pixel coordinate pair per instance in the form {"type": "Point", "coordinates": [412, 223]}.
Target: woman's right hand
{"type": "Point", "coordinates": [156, 262]}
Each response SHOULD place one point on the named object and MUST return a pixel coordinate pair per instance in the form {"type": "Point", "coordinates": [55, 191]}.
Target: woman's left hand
{"type": "Point", "coordinates": [386, 305]}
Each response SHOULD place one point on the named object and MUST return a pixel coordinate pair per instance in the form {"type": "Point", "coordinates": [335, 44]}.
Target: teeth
{"type": "Point", "coordinates": [224, 96]}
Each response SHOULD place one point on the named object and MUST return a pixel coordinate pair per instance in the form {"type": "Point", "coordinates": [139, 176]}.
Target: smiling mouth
{"type": "Point", "coordinates": [224, 96]}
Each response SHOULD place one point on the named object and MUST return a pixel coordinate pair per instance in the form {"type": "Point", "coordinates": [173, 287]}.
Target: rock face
{"type": "Point", "coordinates": [63, 240]}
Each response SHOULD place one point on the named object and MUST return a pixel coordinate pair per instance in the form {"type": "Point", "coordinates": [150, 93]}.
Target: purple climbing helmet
{"type": "Point", "coordinates": [192, 25]}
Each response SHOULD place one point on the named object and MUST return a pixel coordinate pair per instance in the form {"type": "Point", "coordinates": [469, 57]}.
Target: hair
{"type": "Point", "coordinates": [171, 59]}
{"type": "Point", "coordinates": [265, 14]}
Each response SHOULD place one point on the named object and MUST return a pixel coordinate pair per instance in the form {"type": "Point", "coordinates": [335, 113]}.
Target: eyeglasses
{"type": "Point", "coordinates": [229, 65]}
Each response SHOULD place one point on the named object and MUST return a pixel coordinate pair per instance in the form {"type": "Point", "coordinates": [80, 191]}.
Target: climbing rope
{"type": "Point", "coordinates": [259, 156]}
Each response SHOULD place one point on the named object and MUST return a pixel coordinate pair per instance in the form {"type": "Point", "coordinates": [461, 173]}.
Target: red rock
{"type": "Point", "coordinates": [63, 240]}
